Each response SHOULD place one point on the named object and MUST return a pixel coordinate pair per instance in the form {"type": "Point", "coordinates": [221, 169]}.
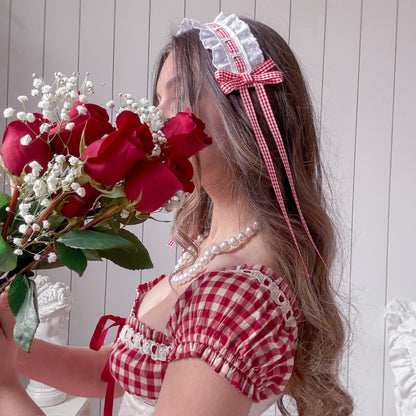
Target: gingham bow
{"type": "Point", "coordinates": [262, 74]}
{"type": "Point", "coordinates": [259, 76]}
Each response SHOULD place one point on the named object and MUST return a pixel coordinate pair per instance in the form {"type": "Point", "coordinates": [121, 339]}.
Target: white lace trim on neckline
{"type": "Point", "coordinates": [136, 340]}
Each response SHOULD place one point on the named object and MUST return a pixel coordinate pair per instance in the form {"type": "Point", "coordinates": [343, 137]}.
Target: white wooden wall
{"type": "Point", "coordinates": [359, 57]}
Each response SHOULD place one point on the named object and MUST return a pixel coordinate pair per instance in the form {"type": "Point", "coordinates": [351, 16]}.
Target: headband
{"type": "Point", "coordinates": [240, 65]}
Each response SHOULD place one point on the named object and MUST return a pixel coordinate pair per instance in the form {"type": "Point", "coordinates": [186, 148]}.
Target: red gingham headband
{"type": "Point", "coordinates": [240, 65]}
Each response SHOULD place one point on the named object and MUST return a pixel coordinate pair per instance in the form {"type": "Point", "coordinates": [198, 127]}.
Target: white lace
{"type": "Point", "coordinates": [248, 47]}
{"type": "Point", "coordinates": [146, 346]}
{"type": "Point", "coordinates": [276, 293]}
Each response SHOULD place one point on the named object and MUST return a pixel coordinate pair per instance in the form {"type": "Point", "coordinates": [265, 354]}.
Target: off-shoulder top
{"type": "Point", "coordinates": [242, 321]}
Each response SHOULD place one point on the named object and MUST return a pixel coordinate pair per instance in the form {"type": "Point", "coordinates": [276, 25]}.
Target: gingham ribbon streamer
{"type": "Point", "coordinates": [229, 82]}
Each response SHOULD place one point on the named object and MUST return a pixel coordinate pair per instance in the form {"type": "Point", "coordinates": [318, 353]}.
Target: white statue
{"type": "Point", "coordinates": [54, 304]}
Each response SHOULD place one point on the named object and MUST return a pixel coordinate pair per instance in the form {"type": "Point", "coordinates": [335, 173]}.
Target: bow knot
{"type": "Point", "coordinates": [260, 75]}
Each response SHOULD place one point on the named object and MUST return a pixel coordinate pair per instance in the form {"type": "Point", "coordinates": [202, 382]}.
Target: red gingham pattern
{"type": "Point", "coordinates": [227, 319]}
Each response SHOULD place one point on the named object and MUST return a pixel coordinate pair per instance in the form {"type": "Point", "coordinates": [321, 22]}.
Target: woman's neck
{"type": "Point", "coordinates": [230, 216]}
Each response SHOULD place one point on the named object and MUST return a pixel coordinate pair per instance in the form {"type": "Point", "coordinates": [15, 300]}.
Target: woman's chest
{"type": "Point", "coordinates": [155, 306]}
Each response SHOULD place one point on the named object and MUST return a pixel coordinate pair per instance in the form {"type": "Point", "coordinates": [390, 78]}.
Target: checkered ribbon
{"type": "Point", "coordinates": [262, 74]}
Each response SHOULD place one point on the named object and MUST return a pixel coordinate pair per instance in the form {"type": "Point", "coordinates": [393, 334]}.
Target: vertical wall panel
{"type": "Point", "coordinates": [130, 76]}
{"type": "Point", "coordinates": [371, 201]}
{"type": "Point", "coordinates": [339, 120]}
{"type": "Point", "coordinates": [26, 47]}
{"type": "Point", "coordinates": [307, 41]}
{"type": "Point", "coordinates": [4, 61]}
{"type": "Point", "coordinates": [244, 8]}
{"type": "Point", "coordinates": [202, 11]}
{"type": "Point", "coordinates": [402, 222]}
{"type": "Point", "coordinates": [276, 14]}
{"type": "Point", "coordinates": [165, 17]}
{"type": "Point", "coordinates": [61, 33]}
{"type": "Point", "coordinates": [131, 48]}
{"type": "Point", "coordinates": [96, 29]}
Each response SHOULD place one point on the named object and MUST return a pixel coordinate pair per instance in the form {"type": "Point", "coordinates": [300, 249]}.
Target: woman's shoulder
{"type": "Point", "coordinates": [247, 285]}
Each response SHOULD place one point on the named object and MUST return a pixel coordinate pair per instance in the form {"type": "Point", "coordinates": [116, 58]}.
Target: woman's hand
{"type": "Point", "coordinates": [13, 398]}
{"type": "Point", "coordinates": [8, 347]}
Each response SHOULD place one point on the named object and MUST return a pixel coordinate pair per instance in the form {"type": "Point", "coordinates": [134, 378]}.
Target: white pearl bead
{"type": "Point", "coordinates": [249, 231]}
{"type": "Point", "coordinates": [233, 241]}
{"type": "Point", "coordinates": [204, 261]}
{"type": "Point", "coordinates": [224, 245]}
{"type": "Point", "coordinates": [208, 254]}
{"type": "Point", "coordinates": [215, 249]}
{"type": "Point", "coordinates": [242, 237]}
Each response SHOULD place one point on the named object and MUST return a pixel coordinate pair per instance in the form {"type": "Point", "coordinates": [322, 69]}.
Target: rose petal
{"type": "Point", "coordinates": [75, 206]}
{"type": "Point", "coordinates": [185, 134]}
{"type": "Point", "coordinates": [94, 125]}
{"type": "Point", "coordinates": [16, 156]}
{"type": "Point", "coordinates": [154, 183]}
{"type": "Point", "coordinates": [108, 160]}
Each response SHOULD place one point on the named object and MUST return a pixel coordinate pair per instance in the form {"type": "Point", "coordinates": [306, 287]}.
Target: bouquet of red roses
{"type": "Point", "coordinates": [77, 181]}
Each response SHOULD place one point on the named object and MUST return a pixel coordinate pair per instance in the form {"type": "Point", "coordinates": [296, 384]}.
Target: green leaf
{"type": "Point", "coordinates": [4, 203]}
{"type": "Point", "coordinates": [135, 258]}
{"type": "Point", "coordinates": [8, 260]}
{"type": "Point", "coordinates": [55, 220]}
{"type": "Point", "coordinates": [93, 240]}
{"type": "Point", "coordinates": [74, 258]}
{"type": "Point", "coordinates": [92, 255]}
{"type": "Point", "coordinates": [23, 304]}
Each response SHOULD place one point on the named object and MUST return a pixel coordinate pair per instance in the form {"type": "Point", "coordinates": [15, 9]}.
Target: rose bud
{"type": "Point", "coordinates": [109, 159]}
{"type": "Point", "coordinates": [66, 135]}
{"type": "Point", "coordinates": [76, 206]}
{"type": "Point", "coordinates": [185, 134]}
{"type": "Point", "coordinates": [22, 144]}
{"type": "Point", "coordinates": [152, 181]}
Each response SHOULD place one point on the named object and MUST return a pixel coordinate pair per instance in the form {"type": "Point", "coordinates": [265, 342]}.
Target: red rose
{"type": "Point", "coordinates": [16, 155]}
{"type": "Point", "coordinates": [75, 206]}
{"type": "Point", "coordinates": [108, 160]}
{"type": "Point", "coordinates": [94, 121]}
{"type": "Point", "coordinates": [153, 182]}
{"type": "Point", "coordinates": [185, 134]}
{"type": "Point", "coordinates": [182, 168]}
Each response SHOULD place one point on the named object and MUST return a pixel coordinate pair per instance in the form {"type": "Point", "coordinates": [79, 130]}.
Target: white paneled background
{"type": "Point", "coordinates": [359, 57]}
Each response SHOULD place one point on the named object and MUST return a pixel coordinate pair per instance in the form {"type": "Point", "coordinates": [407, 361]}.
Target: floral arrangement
{"type": "Point", "coordinates": [77, 181]}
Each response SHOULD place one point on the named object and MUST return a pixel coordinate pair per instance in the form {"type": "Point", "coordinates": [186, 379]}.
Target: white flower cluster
{"type": "Point", "coordinates": [56, 101]}
{"type": "Point", "coordinates": [149, 114]}
{"type": "Point", "coordinates": [36, 194]}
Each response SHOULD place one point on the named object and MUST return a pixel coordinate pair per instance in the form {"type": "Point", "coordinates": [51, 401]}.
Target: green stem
{"type": "Point", "coordinates": [10, 212]}
{"type": "Point", "coordinates": [102, 217]}
{"type": "Point", "coordinates": [45, 214]}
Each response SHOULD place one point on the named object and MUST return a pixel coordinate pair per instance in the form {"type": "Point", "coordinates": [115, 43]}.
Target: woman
{"type": "Point", "coordinates": [249, 312]}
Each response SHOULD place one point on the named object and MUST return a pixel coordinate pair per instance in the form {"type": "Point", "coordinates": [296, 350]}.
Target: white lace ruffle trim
{"type": "Point", "coordinates": [146, 346]}
{"type": "Point", "coordinates": [401, 330]}
{"type": "Point", "coordinates": [222, 58]}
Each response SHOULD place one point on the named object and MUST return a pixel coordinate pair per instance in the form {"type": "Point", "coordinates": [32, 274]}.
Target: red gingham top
{"type": "Point", "coordinates": [242, 321]}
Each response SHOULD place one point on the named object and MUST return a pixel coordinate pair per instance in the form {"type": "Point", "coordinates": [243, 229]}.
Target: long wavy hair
{"type": "Point", "coordinates": [315, 383]}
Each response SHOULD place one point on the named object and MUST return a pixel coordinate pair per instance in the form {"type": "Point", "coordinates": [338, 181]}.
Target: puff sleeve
{"type": "Point", "coordinates": [244, 324]}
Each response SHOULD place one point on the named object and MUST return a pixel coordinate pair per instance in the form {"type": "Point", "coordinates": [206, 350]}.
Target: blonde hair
{"type": "Point", "coordinates": [315, 381]}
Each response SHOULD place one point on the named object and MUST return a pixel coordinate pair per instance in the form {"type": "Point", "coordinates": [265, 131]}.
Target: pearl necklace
{"type": "Point", "coordinates": [208, 255]}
